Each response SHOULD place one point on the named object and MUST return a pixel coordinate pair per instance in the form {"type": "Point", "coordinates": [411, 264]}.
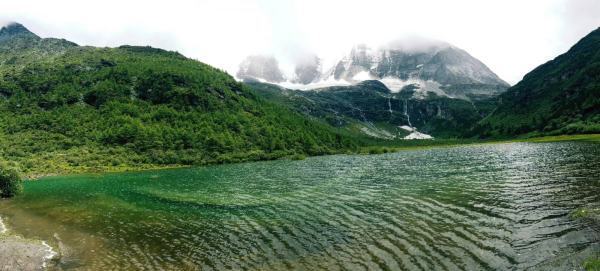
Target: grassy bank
{"type": "Point", "coordinates": [583, 137]}
{"type": "Point", "coordinates": [422, 144]}
{"type": "Point", "coordinates": [592, 264]}
{"type": "Point", "coordinates": [402, 145]}
{"type": "Point", "coordinates": [94, 159]}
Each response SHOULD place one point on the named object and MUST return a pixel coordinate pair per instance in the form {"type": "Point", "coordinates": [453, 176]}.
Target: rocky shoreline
{"type": "Point", "coordinates": [18, 253]}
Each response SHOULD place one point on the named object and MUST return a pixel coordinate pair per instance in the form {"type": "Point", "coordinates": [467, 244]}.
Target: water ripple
{"type": "Point", "coordinates": [488, 207]}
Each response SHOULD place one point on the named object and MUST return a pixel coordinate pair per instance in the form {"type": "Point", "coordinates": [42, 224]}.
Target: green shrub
{"type": "Point", "coordinates": [376, 151]}
{"type": "Point", "coordinates": [592, 264]}
{"type": "Point", "coordinates": [298, 157]}
{"type": "Point", "coordinates": [10, 182]}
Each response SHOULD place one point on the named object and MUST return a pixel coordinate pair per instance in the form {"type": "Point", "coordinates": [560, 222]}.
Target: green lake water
{"type": "Point", "coordinates": [485, 207]}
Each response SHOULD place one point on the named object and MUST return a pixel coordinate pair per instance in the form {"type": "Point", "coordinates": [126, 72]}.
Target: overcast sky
{"type": "Point", "coordinates": [510, 36]}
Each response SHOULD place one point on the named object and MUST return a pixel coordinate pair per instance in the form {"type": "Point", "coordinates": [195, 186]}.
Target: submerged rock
{"type": "Point", "coordinates": [18, 253]}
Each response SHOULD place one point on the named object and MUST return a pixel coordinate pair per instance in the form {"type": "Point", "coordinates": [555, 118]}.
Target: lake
{"type": "Point", "coordinates": [481, 207]}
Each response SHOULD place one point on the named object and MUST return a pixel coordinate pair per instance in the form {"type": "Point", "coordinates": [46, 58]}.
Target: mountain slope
{"type": "Point", "coordinates": [371, 108]}
{"type": "Point", "coordinates": [560, 96]}
{"type": "Point", "coordinates": [442, 89]}
{"type": "Point", "coordinates": [19, 46]}
{"type": "Point", "coordinates": [71, 108]}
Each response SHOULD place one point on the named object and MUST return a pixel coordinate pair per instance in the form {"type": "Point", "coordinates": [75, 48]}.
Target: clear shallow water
{"type": "Point", "coordinates": [502, 207]}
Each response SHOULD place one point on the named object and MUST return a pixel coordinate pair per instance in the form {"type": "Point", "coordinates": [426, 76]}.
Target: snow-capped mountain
{"type": "Point", "coordinates": [266, 68]}
{"type": "Point", "coordinates": [441, 62]}
{"type": "Point", "coordinates": [260, 67]}
{"type": "Point", "coordinates": [308, 70]}
{"type": "Point", "coordinates": [421, 67]}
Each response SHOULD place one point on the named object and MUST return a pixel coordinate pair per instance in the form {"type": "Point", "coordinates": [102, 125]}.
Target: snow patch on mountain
{"type": "Point", "coordinates": [418, 135]}
{"type": "Point", "coordinates": [362, 76]}
{"type": "Point", "coordinates": [330, 82]}
{"type": "Point", "coordinates": [406, 128]}
{"type": "Point", "coordinates": [421, 88]}
{"type": "Point", "coordinates": [414, 134]}
{"type": "Point", "coordinates": [375, 132]}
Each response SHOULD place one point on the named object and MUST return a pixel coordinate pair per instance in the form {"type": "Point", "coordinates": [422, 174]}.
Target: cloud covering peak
{"type": "Point", "coordinates": [223, 33]}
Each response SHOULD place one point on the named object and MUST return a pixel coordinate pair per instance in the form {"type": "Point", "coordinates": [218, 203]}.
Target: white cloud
{"type": "Point", "coordinates": [510, 36]}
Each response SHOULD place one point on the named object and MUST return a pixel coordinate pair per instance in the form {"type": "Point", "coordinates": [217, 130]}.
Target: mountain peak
{"type": "Point", "coordinates": [417, 59]}
{"type": "Point", "coordinates": [259, 67]}
{"type": "Point", "coordinates": [14, 29]}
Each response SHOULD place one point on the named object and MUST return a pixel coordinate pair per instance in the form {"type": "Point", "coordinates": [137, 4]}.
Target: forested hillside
{"type": "Point", "coordinates": [561, 96]}
{"type": "Point", "coordinates": [65, 107]}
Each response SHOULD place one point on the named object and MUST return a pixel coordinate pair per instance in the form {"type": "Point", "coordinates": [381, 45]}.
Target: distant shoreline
{"type": "Point", "coordinates": [33, 176]}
